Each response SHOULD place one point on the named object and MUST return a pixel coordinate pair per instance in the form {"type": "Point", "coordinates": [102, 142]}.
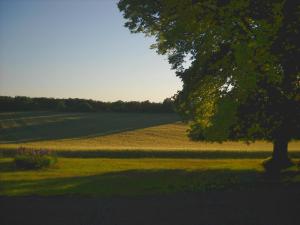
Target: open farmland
{"type": "Point", "coordinates": [167, 158]}
{"type": "Point", "coordinates": [108, 131]}
{"type": "Point", "coordinates": [125, 154]}
{"type": "Point", "coordinates": [110, 160]}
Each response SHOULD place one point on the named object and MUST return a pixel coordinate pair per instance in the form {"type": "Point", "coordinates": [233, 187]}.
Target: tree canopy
{"type": "Point", "coordinates": [243, 81]}
{"type": "Point", "coordinates": [22, 103]}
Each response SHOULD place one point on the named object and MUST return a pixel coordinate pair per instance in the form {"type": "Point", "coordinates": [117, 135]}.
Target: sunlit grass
{"type": "Point", "coordinates": [107, 177]}
{"type": "Point", "coordinates": [178, 164]}
{"type": "Point", "coordinates": [123, 176]}
{"type": "Point", "coordinates": [108, 131]}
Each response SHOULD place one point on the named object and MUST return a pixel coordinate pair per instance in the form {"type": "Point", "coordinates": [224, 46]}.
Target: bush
{"type": "Point", "coordinates": [61, 106]}
{"type": "Point", "coordinates": [34, 159]}
{"type": "Point", "coordinates": [85, 107]}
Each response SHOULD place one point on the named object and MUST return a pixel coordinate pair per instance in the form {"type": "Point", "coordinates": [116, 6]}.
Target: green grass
{"type": "Point", "coordinates": [127, 154]}
{"type": "Point", "coordinates": [107, 177]}
{"type": "Point", "coordinates": [108, 131]}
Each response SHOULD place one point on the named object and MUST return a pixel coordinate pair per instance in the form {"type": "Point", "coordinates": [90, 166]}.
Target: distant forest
{"type": "Point", "coordinates": [22, 103]}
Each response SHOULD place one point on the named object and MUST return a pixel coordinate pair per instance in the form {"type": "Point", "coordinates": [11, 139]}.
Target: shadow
{"type": "Point", "coordinates": [219, 154]}
{"type": "Point", "coordinates": [151, 181]}
{"type": "Point", "coordinates": [150, 196]}
{"type": "Point", "coordinates": [7, 167]}
{"type": "Point", "coordinates": [181, 154]}
{"type": "Point", "coordinates": [26, 127]}
{"type": "Point", "coordinates": [24, 114]}
{"type": "Point", "coordinates": [135, 182]}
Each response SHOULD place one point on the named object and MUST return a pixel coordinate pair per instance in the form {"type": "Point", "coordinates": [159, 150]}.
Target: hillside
{"type": "Point", "coordinates": [107, 131]}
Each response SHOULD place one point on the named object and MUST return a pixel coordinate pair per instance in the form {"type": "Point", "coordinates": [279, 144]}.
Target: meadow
{"type": "Point", "coordinates": [109, 131]}
{"type": "Point", "coordinates": [109, 154]}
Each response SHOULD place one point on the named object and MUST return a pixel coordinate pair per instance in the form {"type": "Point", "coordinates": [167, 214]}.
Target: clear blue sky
{"type": "Point", "coordinates": [78, 48]}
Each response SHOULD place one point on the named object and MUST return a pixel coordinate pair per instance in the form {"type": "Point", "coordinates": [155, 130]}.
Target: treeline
{"type": "Point", "coordinates": [21, 103]}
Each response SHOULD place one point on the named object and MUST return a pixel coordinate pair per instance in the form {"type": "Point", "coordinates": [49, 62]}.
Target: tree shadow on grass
{"type": "Point", "coordinates": [180, 154]}
{"type": "Point", "coordinates": [128, 182]}
{"type": "Point", "coordinates": [205, 201]}
{"type": "Point", "coordinates": [141, 182]}
{"type": "Point", "coordinates": [52, 126]}
{"type": "Point", "coordinates": [7, 166]}
{"type": "Point", "coordinates": [176, 154]}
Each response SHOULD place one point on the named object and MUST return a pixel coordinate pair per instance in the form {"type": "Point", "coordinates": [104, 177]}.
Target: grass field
{"type": "Point", "coordinates": [110, 154]}
{"type": "Point", "coordinates": [107, 131]}
{"type": "Point", "coordinates": [123, 177]}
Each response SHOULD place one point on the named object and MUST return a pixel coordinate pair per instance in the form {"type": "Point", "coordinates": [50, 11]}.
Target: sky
{"type": "Point", "coordinates": [78, 49]}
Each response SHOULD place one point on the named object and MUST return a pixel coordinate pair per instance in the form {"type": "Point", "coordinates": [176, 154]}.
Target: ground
{"type": "Point", "coordinates": [274, 206]}
{"type": "Point", "coordinates": [126, 168]}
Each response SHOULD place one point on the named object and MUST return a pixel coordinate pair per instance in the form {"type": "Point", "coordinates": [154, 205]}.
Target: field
{"type": "Point", "coordinates": [108, 131]}
{"type": "Point", "coordinates": [126, 168]}
{"type": "Point", "coordinates": [109, 154]}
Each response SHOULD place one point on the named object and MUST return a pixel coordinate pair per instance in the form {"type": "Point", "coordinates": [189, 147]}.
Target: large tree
{"type": "Point", "coordinates": [239, 63]}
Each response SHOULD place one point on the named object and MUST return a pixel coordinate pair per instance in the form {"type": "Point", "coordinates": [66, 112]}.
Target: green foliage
{"type": "Point", "coordinates": [33, 159]}
{"type": "Point", "coordinates": [9, 104]}
{"type": "Point", "coordinates": [61, 106]}
{"type": "Point", "coordinates": [85, 107]}
{"type": "Point", "coordinates": [239, 50]}
{"type": "Point", "coordinates": [31, 162]}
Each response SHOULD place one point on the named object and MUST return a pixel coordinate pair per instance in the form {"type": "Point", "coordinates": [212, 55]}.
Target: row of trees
{"type": "Point", "coordinates": [21, 103]}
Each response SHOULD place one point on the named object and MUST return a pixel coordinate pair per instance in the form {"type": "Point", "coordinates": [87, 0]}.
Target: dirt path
{"type": "Point", "coordinates": [245, 207]}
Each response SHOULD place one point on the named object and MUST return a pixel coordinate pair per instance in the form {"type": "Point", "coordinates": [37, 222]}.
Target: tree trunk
{"type": "Point", "coordinates": [280, 151]}
{"type": "Point", "coordinates": [280, 159]}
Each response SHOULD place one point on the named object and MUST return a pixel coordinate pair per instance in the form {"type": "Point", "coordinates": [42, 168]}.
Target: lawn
{"type": "Point", "coordinates": [107, 177]}
{"type": "Point", "coordinates": [114, 177]}
{"type": "Point", "coordinates": [109, 154]}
